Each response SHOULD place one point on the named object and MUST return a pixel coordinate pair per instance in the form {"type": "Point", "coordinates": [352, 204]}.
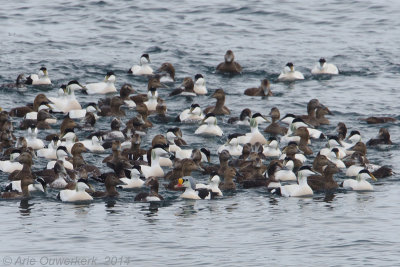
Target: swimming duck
{"type": "Point", "coordinates": [153, 194]}
{"type": "Point", "coordinates": [39, 100]}
{"type": "Point", "coordinates": [341, 129]}
{"type": "Point", "coordinates": [286, 173]}
{"type": "Point", "coordinates": [61, 178]}
{"type": "Point", "coordinates": [333, 141]}
{"type": "Point", "coordinates": [124, 93]}
{"type": "Point", "coordinates": [50, 151]}
{"type": "Point", "coordinates": [32, 140]}
{"type": "Point", "coordinates": [209, 126]}
{"type": "Point", "coordinates": [334, 158]}
{"type": "Point", "coordinates": [133, 181]}
{"type": "Point", "coordinates": [324, 68]}
{"type": "Point", "coordinates": [93, 145]}
{"type": "Point", "coordinates": [273, 168]}
{"type": "Point", "coordinates": [186, 89]}
{"type": "Point", "coordinates": [154, 169]}
{"type": "Point", "coordinates": [110, 183]}
{"type": "Point", "coordinates": [243, 119]}
{"type": "Point", "coordinates": [19, 83]}
{"type": "Point", "coordinates": [11, 165]}
{"type": "Point", "coordinates": [134, 152]}
{"type": "Point", "coordinates": [213, 186]}
{"type": "Point", "coordinates": [143, 68]}
{"type": "Point", "coordinates": [42, 121]}
{"type": "Point", "coordinates": [228, 183]}
{"type": "Point", "coordinates": [69, 139]}
{"type": "Point", "coordinates": [301, 189]}
{"type": "Point", "coordinates": [152, 102]}
{"type": "Point", "coordinates": [311, 118]}
{"type": "Point", "coordinates": [191, 192]}
{"type": "Point", "coordinates": [25, 182]}
{"type": "Point", "coordinates": [183, 168]}
{"type": "Point", "coordinates": [304, 140]}
{"type": "Point", "coordinates": [42, 78]}
{"type": "Point", "coordinates": [105, 87]}
{"type": "Point", "coordinates": [263, 90]}
{"type": "Point", "coordinates": [38, 185]}
{"type": "Point", "coordinates": [174, 138]}
{"type": "Point", "coordinates": [114, 109]}
{"type": "Point", "coordinates": [254, 136]}
{"type": "Point", "coordinates": [192, 114]}
{"type": "Point", "coordinates": [289, 74]}
{"type": "Point", "coordinates": [292, 151]}
{"type": "Point", "coordinates": [320, 115]}
{"type": "Point", "coordinates": [26, 160]}
{"type": "Point", "coordinates": [232, 145]}
{"type": "Point", "coordinates": [382, 138]}
{"type": "Point", "coordinates": [68, 102]}
{"type": "Point", "coordinates": [354, 138]}
{"type": "Point", "coordinates": [200, 85]}
{"type": "Point", "coordinates": [360, 184]}
{"type": "Point", "coordinates": [76, 195]}
{"type": "Point", "coordinates": [252, 175]}
{"type": "Point", "coordinates": [83, 113]}
{"type": "Point", "coordinates": [324, 182]}
{"type": "Point", "coordinates": [271, 148]}
{"type": "Point", "coordinates": [319, 162]}
{"type": "Point", "coordinates": [274, 128]}
{"type": "Point", "coordinates": [62, 154]}
{"type": "Point", "coordinates": [230, 65]}
{"type": "Point", "coordinates": [219, 108]}
{"type": "Point", "coordinates": [376, 120]}
{"type": "Point", "coordinates": [167, 73]}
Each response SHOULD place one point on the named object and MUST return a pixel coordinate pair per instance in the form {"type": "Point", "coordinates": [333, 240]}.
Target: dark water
{"type": "Point", "coordinates": [82, 40]}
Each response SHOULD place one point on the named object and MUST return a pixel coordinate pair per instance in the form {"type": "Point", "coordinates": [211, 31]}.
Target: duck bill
{"type": "Point", "coordinates": [180, 182]}
{"type": "Point", "coordinates": [373, 177]}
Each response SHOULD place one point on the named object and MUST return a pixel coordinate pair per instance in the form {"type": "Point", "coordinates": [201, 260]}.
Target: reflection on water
{"type": "Point", "coordinates": [25, 207]}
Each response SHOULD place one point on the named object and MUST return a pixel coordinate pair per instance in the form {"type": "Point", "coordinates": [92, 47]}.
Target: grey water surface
{"type": "Point", "coordinates": [84, 39]}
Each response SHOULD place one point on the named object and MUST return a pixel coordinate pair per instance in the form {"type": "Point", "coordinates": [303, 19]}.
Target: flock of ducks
{"type": "Point", "coordinates": [277, 157]}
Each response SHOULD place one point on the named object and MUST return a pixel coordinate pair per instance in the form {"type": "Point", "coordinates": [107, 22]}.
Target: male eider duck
{"type": "Point", "coordinates": [133, 181]}
{"type": "Point", "coordinates": [289, 74]}
{"type": "Point", "coordinates": [42, 78]}
{"type": "Point", "coordinates": [155, 169]}
{"type": "Point", "coordinates": [38, 185]}
{"type": "Point", "coordinates": [105, 87]}
{"type": "Point", "coordinates": [232, 145]}
{"type": "Point", "coordinates": [68, 102]}
{"type": "Point", "coordinates": [213, 185]}
{"type": "Point", "coordinates": [301, 189]}
{"type": "Point", "coordinates": [192, 114]}
{"type": "Point", "coordinates": [254, 136]}
{"type": "Point", "coordinates": [209, 126]}
{"type": "Point", "coordinates": [263, 90]}
{"type": "Point", "coordinates": [230, 65]}
{"type": "Point", "coordinates": [324, 68]}
{"type": "Point", "coordinates": [76, 195]}
{"type": "Point", "coordinates": [360, 184]}
{"type": "Point", "coordinates": [143, 68]}
{"type": "Point", "coordinates": [200, 85]}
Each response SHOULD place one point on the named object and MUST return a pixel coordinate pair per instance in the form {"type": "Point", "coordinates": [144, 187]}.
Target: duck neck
{"type": "Point", "coordinates": [302, 180]}
{"type": "Point", "coordinates": [220, 102]}
{"type": "Point", "coordinates": [25, 191]}
{"type": "Point", "coordinates": [155, 161]}
{"type": "Point", "coordinates": [111, 191]}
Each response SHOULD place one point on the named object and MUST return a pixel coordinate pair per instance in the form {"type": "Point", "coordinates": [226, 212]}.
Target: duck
{"type": "Point", "coordinates": [292, 151]}
{"type": "Point", "coordinates": [42, 78]}
{"type": "Point", "coordinates": [302, 189]}
{"type": "Point", "coordinates": [40, 100]}
{"type": "Point", "coordinates": [200, 84]}
{"type": "Point", "coordinates": [152, 195]}
{"type": "Point", "coordinates": [320, 115]}
{"type": "Point", "coordinates": [324, 68]}
{"type": "Point", "coordinates": [25, 182]}
{"type": "Point", "coordinates": [333, 141]}
{"type": "Point", "coordinates": [42, 121]}
{"type": "Point", "coordinates": [274, 128]}
{"type": "Point", "coordinates": [263, 90]}
{"type": "Point", "coordinates": [219, 108]}
{"type": "Point", "coordinates": [90, 110]}
{"type": "Point", "coordinates": [125, 94]}
{"type": "Point", "coordinates": [174, 139]}
{"type": "Point", "coordinates": [354, 138]}
{"type": "Point", "coordinates": [26, 160]}
{"type": "Point", "coordinates": [78, 194]}
{"type": "Point", "coordinates": [191, 192]}
{"type": "Point", "coordinates": [105, 87]}
{"type": "Point", "coordinates": [62, 153]}
{"type": "Point", "coordinates": [271, 148]}
{"type": "Point", "coordinates": [32, 140]}
{"type": "Point", "coordinates": [93, 145]}
{"type": "Point", "coordinates": [324, 182]}
{"type": "Point", "coordinates": [133, 181]}
{"type": "Point", "coordinates": [228, 183]}
{"type": "Point", "coordinates": [190, 115]}
{"type": "Point", "coordinates": [360, 183]}
{"type": "Point", "coordinates": [68, 102]}
{"type": "Point", "coordinates": [152, 101]}
{"type": "Point", "coordinates": [252, 175]}
{"type": "Point", "coordinates": [286, 173]}
{"type": "Point", "coordinates": [186, 89]}
{"type": "Point", "coordinates": [167, 71]}
{"type": "Point", "coordinates": [273, 168]}
{"type": "Point", "coordinates": [183, 167]}
{"type": "Point", "coordinates": [209, 126]}
{"type": "Point", "coordinates": [50, 151]}
{"type": "Point", "coordinates": [134, 152]}
{"type": "Point", "coordinates": [376, 120]}
{"type": "Point", "coordinates": [38, 185]}
{"type": "Point", "coordinates": [383, 138]}
{"type": "Point", "coordinates": [334, 158]}
{"type": "Point", "coordinates": [311, 118]}
{"type": "Point", "coordinates": [111, 182]}
{"type": "Point", "coordinates": [61, 177]}
{"type": "Point", "coordinates": [213, 185]}
{"type": "Point", "coordinates": [243, 119]}
{"type": "Point", "coordinates": [229, 65]}
{"type": "Point", "coordinates": [114, 109]}
{"type": "Point", "coordinates": [319, 162]}
{"type": "Point", "coordinates": [154, 169]}
{"type": "Point", "coordinates": [232, 145]}
{"type": "Point", "coordinates": [11, 165]}
{"type": "Point", "coordinates": [19, 82]}
{"type": "Point", "coordinates": [143, 68]}
{"type": "Point", "coordinates": [254, 136]}
{"type": "Point", "coordinates": [68, 139]}
{"type": "Point", "coordinates": [304, 140]}
{"type": "Point", "coordinates": [289, 74]}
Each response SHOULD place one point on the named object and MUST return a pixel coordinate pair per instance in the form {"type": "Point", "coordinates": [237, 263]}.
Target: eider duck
{"type": "Point", "coordinates": [105, 87]}
{"type": "Point", "coordinates": [133, 181]}
{"type": "Point", "coordinates": [271, 148]}
{"type": "Point", "coordinates": [186, 89]}
{"type": "Point", "coordinates": [254, 136]}
{"type": "Point", "coordinates": [213, 185]}
{"type": "Point", "coordinates": [228, 183]}
{"type": "Point", "coordinates": [219, 108]}
{"type": "Point", "coordinates": [153, 194]}
{"type": "Point", "coordinates": [38, 185]}
{"type": "Point", "coordinates": [110, 183]}
{"type": "Point", "coordinates": [289, 74]}
{"type": "Point", "coordinates": [209, 126]}
{"type": "Point", "coordinates": [360, 184]}
{"type": "Point", "coordinates": [191, 192]}
{"type": "Point", "coordinates": [324, 68]}
{"type": "Point", "coordinates": [155, 169]}
{"type": "Point", "coordinates": [42, 78]}
{"type": "Point", "coordinates": [143, 68]}
{"type": "Point", "coordinates": [243, 119]}
{"type": "Point", "coordinates": [382, 139]}
{"type": "Point", "coordinates": [324, 182]}
{"type": "Point", "coordinates": [167, 73]}
{"type": "Point", "coordinates": [263, 90]}
{"type": "Point", "coordinates": [376, 120]}
{"type": "Point", "coordinates": [230, 65]}
{"type": "Point", "coordinates": [274, 128]}
{"type": "Point", "coordinates": [301, 189]}
{"type": "Point", "coordinates": [25, 182]}
{"type": "Point", "coordinates": [200, 85]}
{"type": "Point", "coordinates": [39, 100]}
{"type": "Point", "coordinates": [192, 114]}
{"type": "Point", "coordinates": [76, 195]}
{"type": "Point", "coordinates": [68, 102]}
{"type": "Point", "coordinates": [232, 145]}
